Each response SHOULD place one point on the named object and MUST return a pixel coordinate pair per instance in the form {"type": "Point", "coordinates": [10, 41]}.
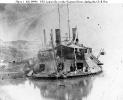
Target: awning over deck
{"type": "Point", "coordinates": [70, 46]}
{"type": "Point", "coordinates": [76, 46]}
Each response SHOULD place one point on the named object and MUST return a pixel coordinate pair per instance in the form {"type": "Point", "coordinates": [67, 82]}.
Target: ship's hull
{"type": "Point", "coordinates": [45, 76]}
{"type": "Point", "coordinates": [82, 64]}
{"type": "Point", "coordinates": [78, 73]}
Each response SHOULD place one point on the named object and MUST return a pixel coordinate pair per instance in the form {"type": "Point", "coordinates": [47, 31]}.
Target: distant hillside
{"type": "Point", "coordinates": [19, 49]}
{"type": "Point", "coordinates": [22, 42]}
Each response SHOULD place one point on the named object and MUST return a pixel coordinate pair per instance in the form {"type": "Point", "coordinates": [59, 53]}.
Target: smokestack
{"type": "Point", "coordinates": [58, 37]}
{"type": "Point", "coordinates": [74, 33]}
{"type": "Point", "coordinates": [44, 37]}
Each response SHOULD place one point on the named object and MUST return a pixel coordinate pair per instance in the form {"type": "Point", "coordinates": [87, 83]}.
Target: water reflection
{"type": "Point", "coordinates": [69, 89]}
{"type": "Point", "coordinates": [14, 82]}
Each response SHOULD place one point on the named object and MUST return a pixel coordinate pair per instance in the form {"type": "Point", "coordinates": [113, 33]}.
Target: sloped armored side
{"type": "Point", "coordinates": [93, 67]}
{"type": "Point", "coordinates": [68, 63]}
{"type": "Point", "coordinates": [49, 67]}
{"type": "Point", "coordinates": [96, 60]}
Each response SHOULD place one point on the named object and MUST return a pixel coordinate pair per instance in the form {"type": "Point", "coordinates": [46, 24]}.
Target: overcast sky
{"type": "Point", "coordinates": [99, 25]}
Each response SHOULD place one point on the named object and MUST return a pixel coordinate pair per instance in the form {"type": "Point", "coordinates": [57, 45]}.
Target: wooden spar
{"type": "Point", "coordinates": [76, 36]}
{"type": "Point", "coordinates": [59, 18]}
{"type": "Point", "coordinates": [68, 21]}
{"type": "Point", "coordinates": [41, 44]}
{"type": "Point", "coordinates": [77, 19]}
{"type": "Point", "coordinates": [60, 30]}
{"type": "Point", "coordinates": [53, 48]}
{"type": "Point", "coordinates": [1, 49]}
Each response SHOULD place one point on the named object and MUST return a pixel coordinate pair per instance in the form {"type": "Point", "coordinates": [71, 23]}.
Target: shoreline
{"type": "Point", "coordinates": [11, 75]}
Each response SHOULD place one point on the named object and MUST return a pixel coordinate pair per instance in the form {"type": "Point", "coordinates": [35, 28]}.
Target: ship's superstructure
{"type": "Point", "coordinates": [66, 58]}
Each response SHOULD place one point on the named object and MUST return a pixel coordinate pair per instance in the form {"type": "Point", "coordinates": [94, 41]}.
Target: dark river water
{"type": "Point", "coordinates": [69, 89]}
{"type": "Point", "coordinates": [97, 87]}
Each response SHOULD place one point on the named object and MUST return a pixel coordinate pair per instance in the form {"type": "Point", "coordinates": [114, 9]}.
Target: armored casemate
{"type": "Point", "coordinates": [67, 58]}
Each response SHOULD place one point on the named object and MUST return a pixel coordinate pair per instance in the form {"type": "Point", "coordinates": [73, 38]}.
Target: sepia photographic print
{"type": "Point", "coordinates": [61, 50]}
